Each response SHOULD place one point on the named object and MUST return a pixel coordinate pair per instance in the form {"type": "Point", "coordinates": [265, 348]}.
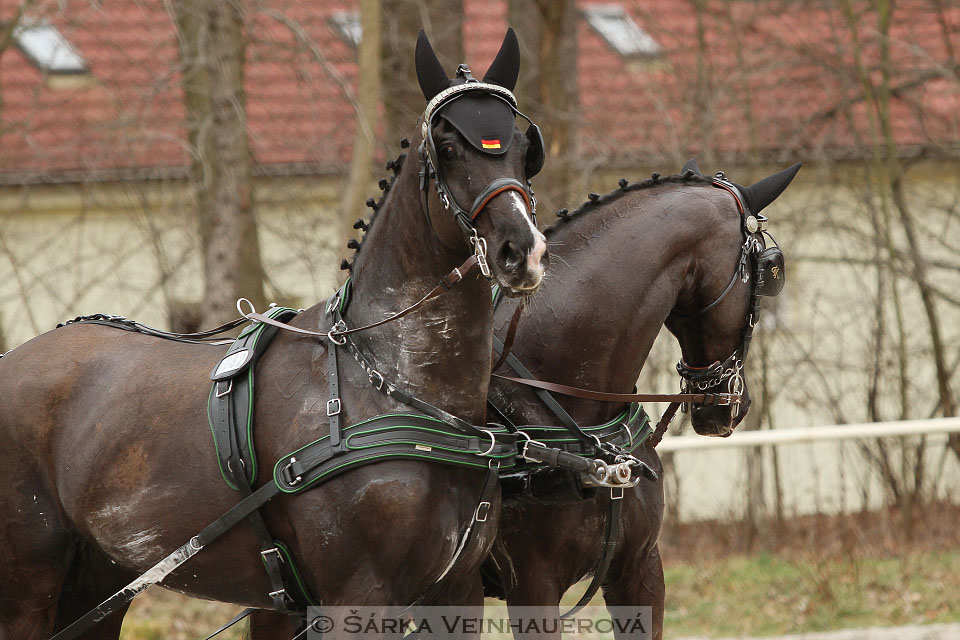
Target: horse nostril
{"type": "Point", "coordinates": [510, 256]}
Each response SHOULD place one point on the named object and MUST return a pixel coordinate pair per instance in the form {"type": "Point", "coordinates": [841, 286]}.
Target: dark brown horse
{"type": "Point", "coordinates": [109, 463]}
{"type": "Point", "coordinates": [624, 264]}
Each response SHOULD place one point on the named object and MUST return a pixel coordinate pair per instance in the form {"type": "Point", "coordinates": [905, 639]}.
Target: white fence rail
{"type": "Point", "coordinates": [814, 434]}
{"type": "Point", "coordinates": [812, 469]}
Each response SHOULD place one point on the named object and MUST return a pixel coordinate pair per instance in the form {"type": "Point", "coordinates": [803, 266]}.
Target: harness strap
{"type": "Point", "coordinates": [543, 394]}
{"type": "Point", "coordinates": [587, 394]}
{"type": "Point", "coordinates": [446, 283]}
{"type": "Point", "coordinates": [334, 404]}
{"type": "Point", "coordinates": [665, 421]}
{"type": "Point", "coordinates": [504, 348]}
{"type": "Point", "coordinates": [480, 514]}
{"type": "Point", "coordinates": [610, 535]}
{"type": "Point", "coordinates": [166, 566]}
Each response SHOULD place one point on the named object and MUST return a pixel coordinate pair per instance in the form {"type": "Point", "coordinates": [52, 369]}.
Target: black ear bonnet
{"type": "Point", "coordinates": [483, 112]}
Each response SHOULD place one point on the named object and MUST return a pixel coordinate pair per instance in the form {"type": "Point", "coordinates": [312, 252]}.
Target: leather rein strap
{"type": "Point", "coordinates": [445, 284]}
{"type": "Point", "coordinates": [601, 396]}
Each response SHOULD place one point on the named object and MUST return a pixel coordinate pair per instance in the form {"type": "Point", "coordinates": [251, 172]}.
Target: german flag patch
{"type": "Point", "coordinates": [490, 144]}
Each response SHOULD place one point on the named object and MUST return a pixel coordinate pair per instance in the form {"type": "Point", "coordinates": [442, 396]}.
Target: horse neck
{"type": "Point", "coordinates": [617, 271]}
{"type": "Point", "coordinates": [440, 353]}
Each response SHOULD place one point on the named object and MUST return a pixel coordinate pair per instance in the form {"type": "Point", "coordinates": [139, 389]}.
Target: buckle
{"type": "Point", "coordinates": [616, 493]}
{"type": "Point", "coordinates": [275, 550]}
{"type": "Point", "coordinates": [451, 278]}
{"type": "Point", "coordinates": [229, 389]}
{"type": "Point", "coordinates": [335, 402]}
{"type": "Point", "coordinates": [288, 476]}
{"type": "Point", "coordinates": [483, 510]}
{"type": "Point", "coordinates": [374, 373]}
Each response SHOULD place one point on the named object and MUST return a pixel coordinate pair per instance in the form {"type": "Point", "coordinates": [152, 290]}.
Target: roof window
{"type": "Point", "coordinates": [620, 31]}
{"type": "Point", "coordinates": [347, 24]}
{"type": "Point", "coordinates": [47, 48]}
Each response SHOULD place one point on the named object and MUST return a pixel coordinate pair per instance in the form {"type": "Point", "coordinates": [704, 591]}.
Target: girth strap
{"type": "Point", "coordinates": [610, 536]}
{"type": "Point", "coordinates": [480, 514]}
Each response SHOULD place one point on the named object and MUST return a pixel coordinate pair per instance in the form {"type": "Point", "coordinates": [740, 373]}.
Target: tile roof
{"type": "Point", "coordinates": [759, 81]}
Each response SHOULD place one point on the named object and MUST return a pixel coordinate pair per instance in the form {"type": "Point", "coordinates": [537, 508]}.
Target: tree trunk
{"type": "Point", "coordinates": [548, 93]}
{"type": "Point", "coordinates": [401, 21]}
{"type": "Point", "coordinates": [212, 60]}
{"type": "Point", "coordinates": [368, 100]}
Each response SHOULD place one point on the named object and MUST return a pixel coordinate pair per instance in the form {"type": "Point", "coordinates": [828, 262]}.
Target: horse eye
{"type": "Point", "coordinates": [449, 153]}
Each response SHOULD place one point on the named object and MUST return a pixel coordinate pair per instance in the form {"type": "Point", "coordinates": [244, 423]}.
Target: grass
{"type": "Point", "coordinates": [763, 594]}
{"type": "Point", "coordinates": [766, 594]}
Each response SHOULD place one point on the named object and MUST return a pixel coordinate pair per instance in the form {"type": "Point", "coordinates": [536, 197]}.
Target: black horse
{"type": "Point", "coordinates": [649, 253]}
{"type": "Point", "coordinates": [109, 460]}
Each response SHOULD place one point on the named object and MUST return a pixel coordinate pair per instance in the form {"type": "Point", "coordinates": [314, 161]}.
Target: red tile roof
{"type": "Point", "coordinates": [763, 81]}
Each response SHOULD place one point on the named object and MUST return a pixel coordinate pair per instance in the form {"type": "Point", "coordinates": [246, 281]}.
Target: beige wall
{"type": "Point", "coordinates": [130, 248]}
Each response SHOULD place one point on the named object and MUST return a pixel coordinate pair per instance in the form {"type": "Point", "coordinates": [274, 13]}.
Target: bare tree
{"type": "Point", "coordinates": [211, 45]}
{"type": "Point", "coordinates": [368, 100]}
{"type": "Point", "coordinates": [402, 20]}
{"type": "Point", "coordinates": [548, 92]}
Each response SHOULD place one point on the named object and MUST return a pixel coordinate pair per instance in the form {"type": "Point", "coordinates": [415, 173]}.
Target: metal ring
{"type": "Point", "coordinates": [330, 337]}
{"type": "Point", "coordinates": [493, 443]}
{"type": "Point", "coordinates": [250, 304]}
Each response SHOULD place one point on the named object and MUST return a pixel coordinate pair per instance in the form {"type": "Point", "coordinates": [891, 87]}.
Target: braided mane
{"type": "Point", "coordinates": [594, 200]}
{"type": "Point", "coordinates": [374, 204]}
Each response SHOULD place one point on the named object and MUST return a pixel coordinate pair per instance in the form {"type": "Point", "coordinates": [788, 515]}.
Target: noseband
{"type": "Point", "coordinates": [766, 266]}
{"type": "Point", "coordinates": [427, 154]}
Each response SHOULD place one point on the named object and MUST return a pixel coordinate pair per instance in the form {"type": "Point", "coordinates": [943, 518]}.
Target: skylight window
{"type": "Point", "coordinates": [47, 48]}
{"type": "Point", "coordinates": [347, 24]}
{"type": "Point", "coordinates": [620, 31]}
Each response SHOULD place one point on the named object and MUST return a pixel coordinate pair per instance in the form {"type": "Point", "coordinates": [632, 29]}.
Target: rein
{"type": "Point", "coordinates": [337, 335]}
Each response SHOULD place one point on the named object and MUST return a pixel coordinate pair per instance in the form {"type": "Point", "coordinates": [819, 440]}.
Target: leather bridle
{"type": "Point", "coordinates": [730, 370]}
{"type": "Point", "coordinates": [429, 166]}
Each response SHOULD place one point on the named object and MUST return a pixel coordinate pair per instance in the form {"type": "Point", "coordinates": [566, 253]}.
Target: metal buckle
{"type": "Point", "coordinates": [296, 480]}
{"type": "Point", "coordinates": [483, 510]}
{"type": "Point", "coordinates": [273, 550]}
{"type": "Point", "coordinates": [278, 593]}
{"type": "Point", "coordinates": [377, 385]}
{"type": "Point", "coordinates": [336, 411]}
{"type": "Point", "coordinates": [229, 389]}
{"type": "Point", "coordinates": [480, 250]}
{"type": "Point", "coordinates": [616, 493]}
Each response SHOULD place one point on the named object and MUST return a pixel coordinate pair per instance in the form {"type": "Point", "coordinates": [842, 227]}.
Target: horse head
{"type": "Point", "coordinates": [481, 165]}
{"type": "Point", "coordinates": [715, 316]}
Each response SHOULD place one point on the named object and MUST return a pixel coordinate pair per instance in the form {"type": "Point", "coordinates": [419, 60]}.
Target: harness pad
{"type": "Point", "coordinates": [230, 405]}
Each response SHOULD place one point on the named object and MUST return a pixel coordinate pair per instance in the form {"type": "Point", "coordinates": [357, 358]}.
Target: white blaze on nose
{"type": "Point", "coordinates": [539, 241]}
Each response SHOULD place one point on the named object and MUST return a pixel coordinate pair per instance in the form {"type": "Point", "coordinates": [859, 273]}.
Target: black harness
{"type": "Point", "coordinates": [766, 266]}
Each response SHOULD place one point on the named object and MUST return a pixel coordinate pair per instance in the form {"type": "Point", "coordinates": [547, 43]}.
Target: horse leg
{"type": "Point", "coordinates": [642, 587]}
{"type": "Point", "coordinates": [93, 577]}
{"type": "Point", "coordinates": [534, 603]}
{"type": "Point", "coordinates": [35, 554]}
{"type": "Point", "coordinates": [266, 624]}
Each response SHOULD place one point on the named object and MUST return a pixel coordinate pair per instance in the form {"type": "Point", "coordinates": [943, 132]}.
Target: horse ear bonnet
{"type": "Point", "coordinates": [486, 121]}
{"type": "Point", "coordinates": [433, 79]}
{"type": "Point", "coordinates": [759, 195]}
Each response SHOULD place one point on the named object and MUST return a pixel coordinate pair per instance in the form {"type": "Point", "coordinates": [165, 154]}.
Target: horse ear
{"type": "Point", "coordinates": [761, 194]}
{"type": "Point", "coordinates": [691, 165]}
{"type": "Point", "coordinates": [505, 68]}
{"type": "Point", "coordinates": [433, 79]}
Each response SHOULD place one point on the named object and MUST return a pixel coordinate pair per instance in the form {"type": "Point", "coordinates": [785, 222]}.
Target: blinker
{"type": "Point", "coordinates": [770, 272]}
